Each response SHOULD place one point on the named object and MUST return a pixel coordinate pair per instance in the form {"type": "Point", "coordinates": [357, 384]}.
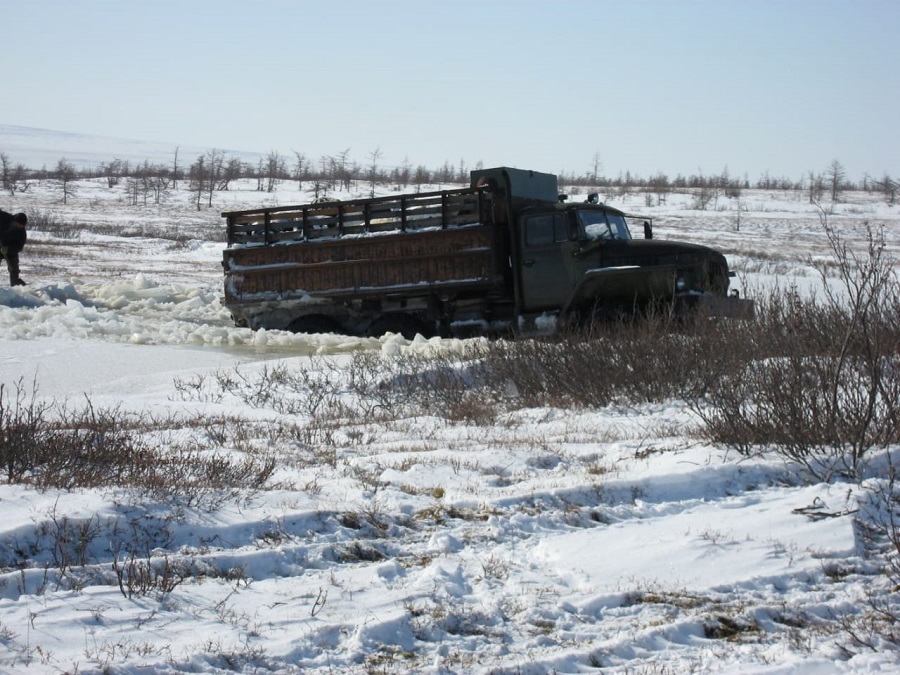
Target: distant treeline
{"type": "Point", "coordinates": [215, 170]}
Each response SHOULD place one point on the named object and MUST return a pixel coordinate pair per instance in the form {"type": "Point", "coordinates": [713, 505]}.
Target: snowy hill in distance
{"type": "Point", "coordinates": [40, 148]}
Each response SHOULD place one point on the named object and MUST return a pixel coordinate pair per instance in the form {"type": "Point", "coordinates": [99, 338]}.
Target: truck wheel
{"type": "Point", "coordinates": [404, 324]}
{"type": "Point", "coordinates": [315, 323]}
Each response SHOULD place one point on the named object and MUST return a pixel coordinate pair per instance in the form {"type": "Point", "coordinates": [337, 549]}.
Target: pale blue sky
{"type": "Point", "coordinates": [656, 85]}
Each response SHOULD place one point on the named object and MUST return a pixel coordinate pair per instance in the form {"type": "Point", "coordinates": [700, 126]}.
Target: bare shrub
{"type": "Point", "coordinates": [459, 389]}
{"type": "Point", "coordinates": [277, 387]}
{"type": "Point", "coordinates": [91, 447]}
{"type": "Point", "coordinates": [159, 575]}
{"type": "Point", "coordinates": [378, 385]}
{"type": "Point", "coordinates": [818, 379]}
{"type": "Point", "coordinates": [626, 361]}
{"type": "Point", "coordinates": [199, 387]}
{"type": "Point", "coordinates": [874, 625]}
{"type": "Point", "coordinates": [71, 541]}
{"type": "Point", "coordinates": [40, 220]}
{"type": "Point", "coordinates": [193, 477]}
{"type": "Point", "coordinates": [650, 359]}
{"type": "Point", "coordinates": [52, 447]}
{"type": "Point", "coordinates": [22, 429]}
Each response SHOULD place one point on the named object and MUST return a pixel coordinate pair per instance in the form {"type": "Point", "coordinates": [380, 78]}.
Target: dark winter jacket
{"type": "Point", "coordinates": [11, 237]}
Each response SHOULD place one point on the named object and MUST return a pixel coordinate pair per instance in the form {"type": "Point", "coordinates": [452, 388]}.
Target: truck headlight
{"type": "Point", "coordinates": [680, 284]}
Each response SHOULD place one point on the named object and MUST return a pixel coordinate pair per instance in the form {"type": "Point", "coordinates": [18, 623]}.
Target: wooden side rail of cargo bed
{"type": "Point", "coordinates": [400, 213]}
{"type": "Point", "coordinates": [356, 266]}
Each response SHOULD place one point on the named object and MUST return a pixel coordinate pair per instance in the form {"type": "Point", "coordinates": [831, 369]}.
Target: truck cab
{"type": "Point", "coordinates": [582, 259]}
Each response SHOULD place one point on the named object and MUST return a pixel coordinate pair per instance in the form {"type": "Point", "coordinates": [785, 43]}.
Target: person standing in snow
{"type": "Point", "coordinates": [12, 241]}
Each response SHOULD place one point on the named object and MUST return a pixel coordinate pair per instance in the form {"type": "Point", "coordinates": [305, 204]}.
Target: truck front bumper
{"type": "Point", "coordinates": [707, 304]}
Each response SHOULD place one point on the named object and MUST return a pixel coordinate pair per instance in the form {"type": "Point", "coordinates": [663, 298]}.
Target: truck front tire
{"type": "Point", "coordinates": [404, 324]}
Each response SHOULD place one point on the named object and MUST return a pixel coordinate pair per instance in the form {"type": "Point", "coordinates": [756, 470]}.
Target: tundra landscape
{"type": "Point", "coordinates": [183, 495]}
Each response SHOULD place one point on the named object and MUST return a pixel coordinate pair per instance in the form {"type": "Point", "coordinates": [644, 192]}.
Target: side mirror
{"type": "Point", "coordinates": [648, 230]}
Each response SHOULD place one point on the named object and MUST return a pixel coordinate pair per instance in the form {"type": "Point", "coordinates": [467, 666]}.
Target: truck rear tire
{"type": "Point", "coordinates": [315, 323]}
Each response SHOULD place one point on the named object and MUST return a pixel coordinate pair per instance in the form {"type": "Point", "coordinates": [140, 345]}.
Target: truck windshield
{"type": "Point", "coordinates": [599, 224]}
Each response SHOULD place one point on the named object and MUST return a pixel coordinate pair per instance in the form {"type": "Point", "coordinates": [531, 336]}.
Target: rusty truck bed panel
{"type": "Point", "coordinates": [336, 267]}
{"type": "Point", "coordinates": [362, 247]}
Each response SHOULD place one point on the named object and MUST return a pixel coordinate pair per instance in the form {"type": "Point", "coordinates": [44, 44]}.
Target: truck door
{"type": "Point", "coordinates": [547, 276]}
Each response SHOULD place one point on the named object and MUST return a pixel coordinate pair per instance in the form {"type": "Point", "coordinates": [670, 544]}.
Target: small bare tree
{"type": "Point", "coordinates": [5, 170]}
{"type": "Point", "coordinates": [159, 184]}
{"type": "Point", "coordinates": [232, 169]}
{"type": "Point", "coordinates": [888, 187]}
{"type": "Point", "coordinates": [341, 170]}
{"type": "Point", "coordinates": [816, 187]}
{"type": "Point", "coordinates": [199, 175]}
{"type": "Point", "coordinates": [373, 170]}
{"type": "Point", "coordinates": [421, 176]}
{"type": "Point", "coordinates": [65, 174]}
{"type": "Point", "coordinates": [275, 169]}
{"type": "Point", "coordinates": [113, 172]}
{"type": "Point", "coordinates": [300, 169]}
{"type": "Point", "coordinates": [837, 176]}
{"type": "Point", "coordinates": [175, 170]}
{"type": "Point", "coordinates": [597, 168]}
{"type": "Point", "coordinates": [403, 173]}
{"type": "Point", "coordinates": [14, 177]}
{"type": "Point", "coordinates": [215, 161]}
{"type": "Point", "coordinates": [659, 185]}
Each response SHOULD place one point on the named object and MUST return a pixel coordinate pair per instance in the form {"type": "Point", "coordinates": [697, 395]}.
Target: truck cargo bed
{"type": "Point", "coordinates": [393, 247]}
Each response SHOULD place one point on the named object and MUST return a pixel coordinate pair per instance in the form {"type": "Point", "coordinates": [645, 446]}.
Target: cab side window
{"type": "Point", "coordinates": [545, 229]}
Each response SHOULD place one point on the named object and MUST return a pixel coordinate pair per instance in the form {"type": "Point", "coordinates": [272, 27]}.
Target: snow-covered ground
{"type": "Point", "coordinates": [549, 540]}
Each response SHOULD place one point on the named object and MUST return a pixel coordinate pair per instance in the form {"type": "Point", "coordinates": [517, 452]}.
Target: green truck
{"type": "Point", "coordinates": [493, 257]}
